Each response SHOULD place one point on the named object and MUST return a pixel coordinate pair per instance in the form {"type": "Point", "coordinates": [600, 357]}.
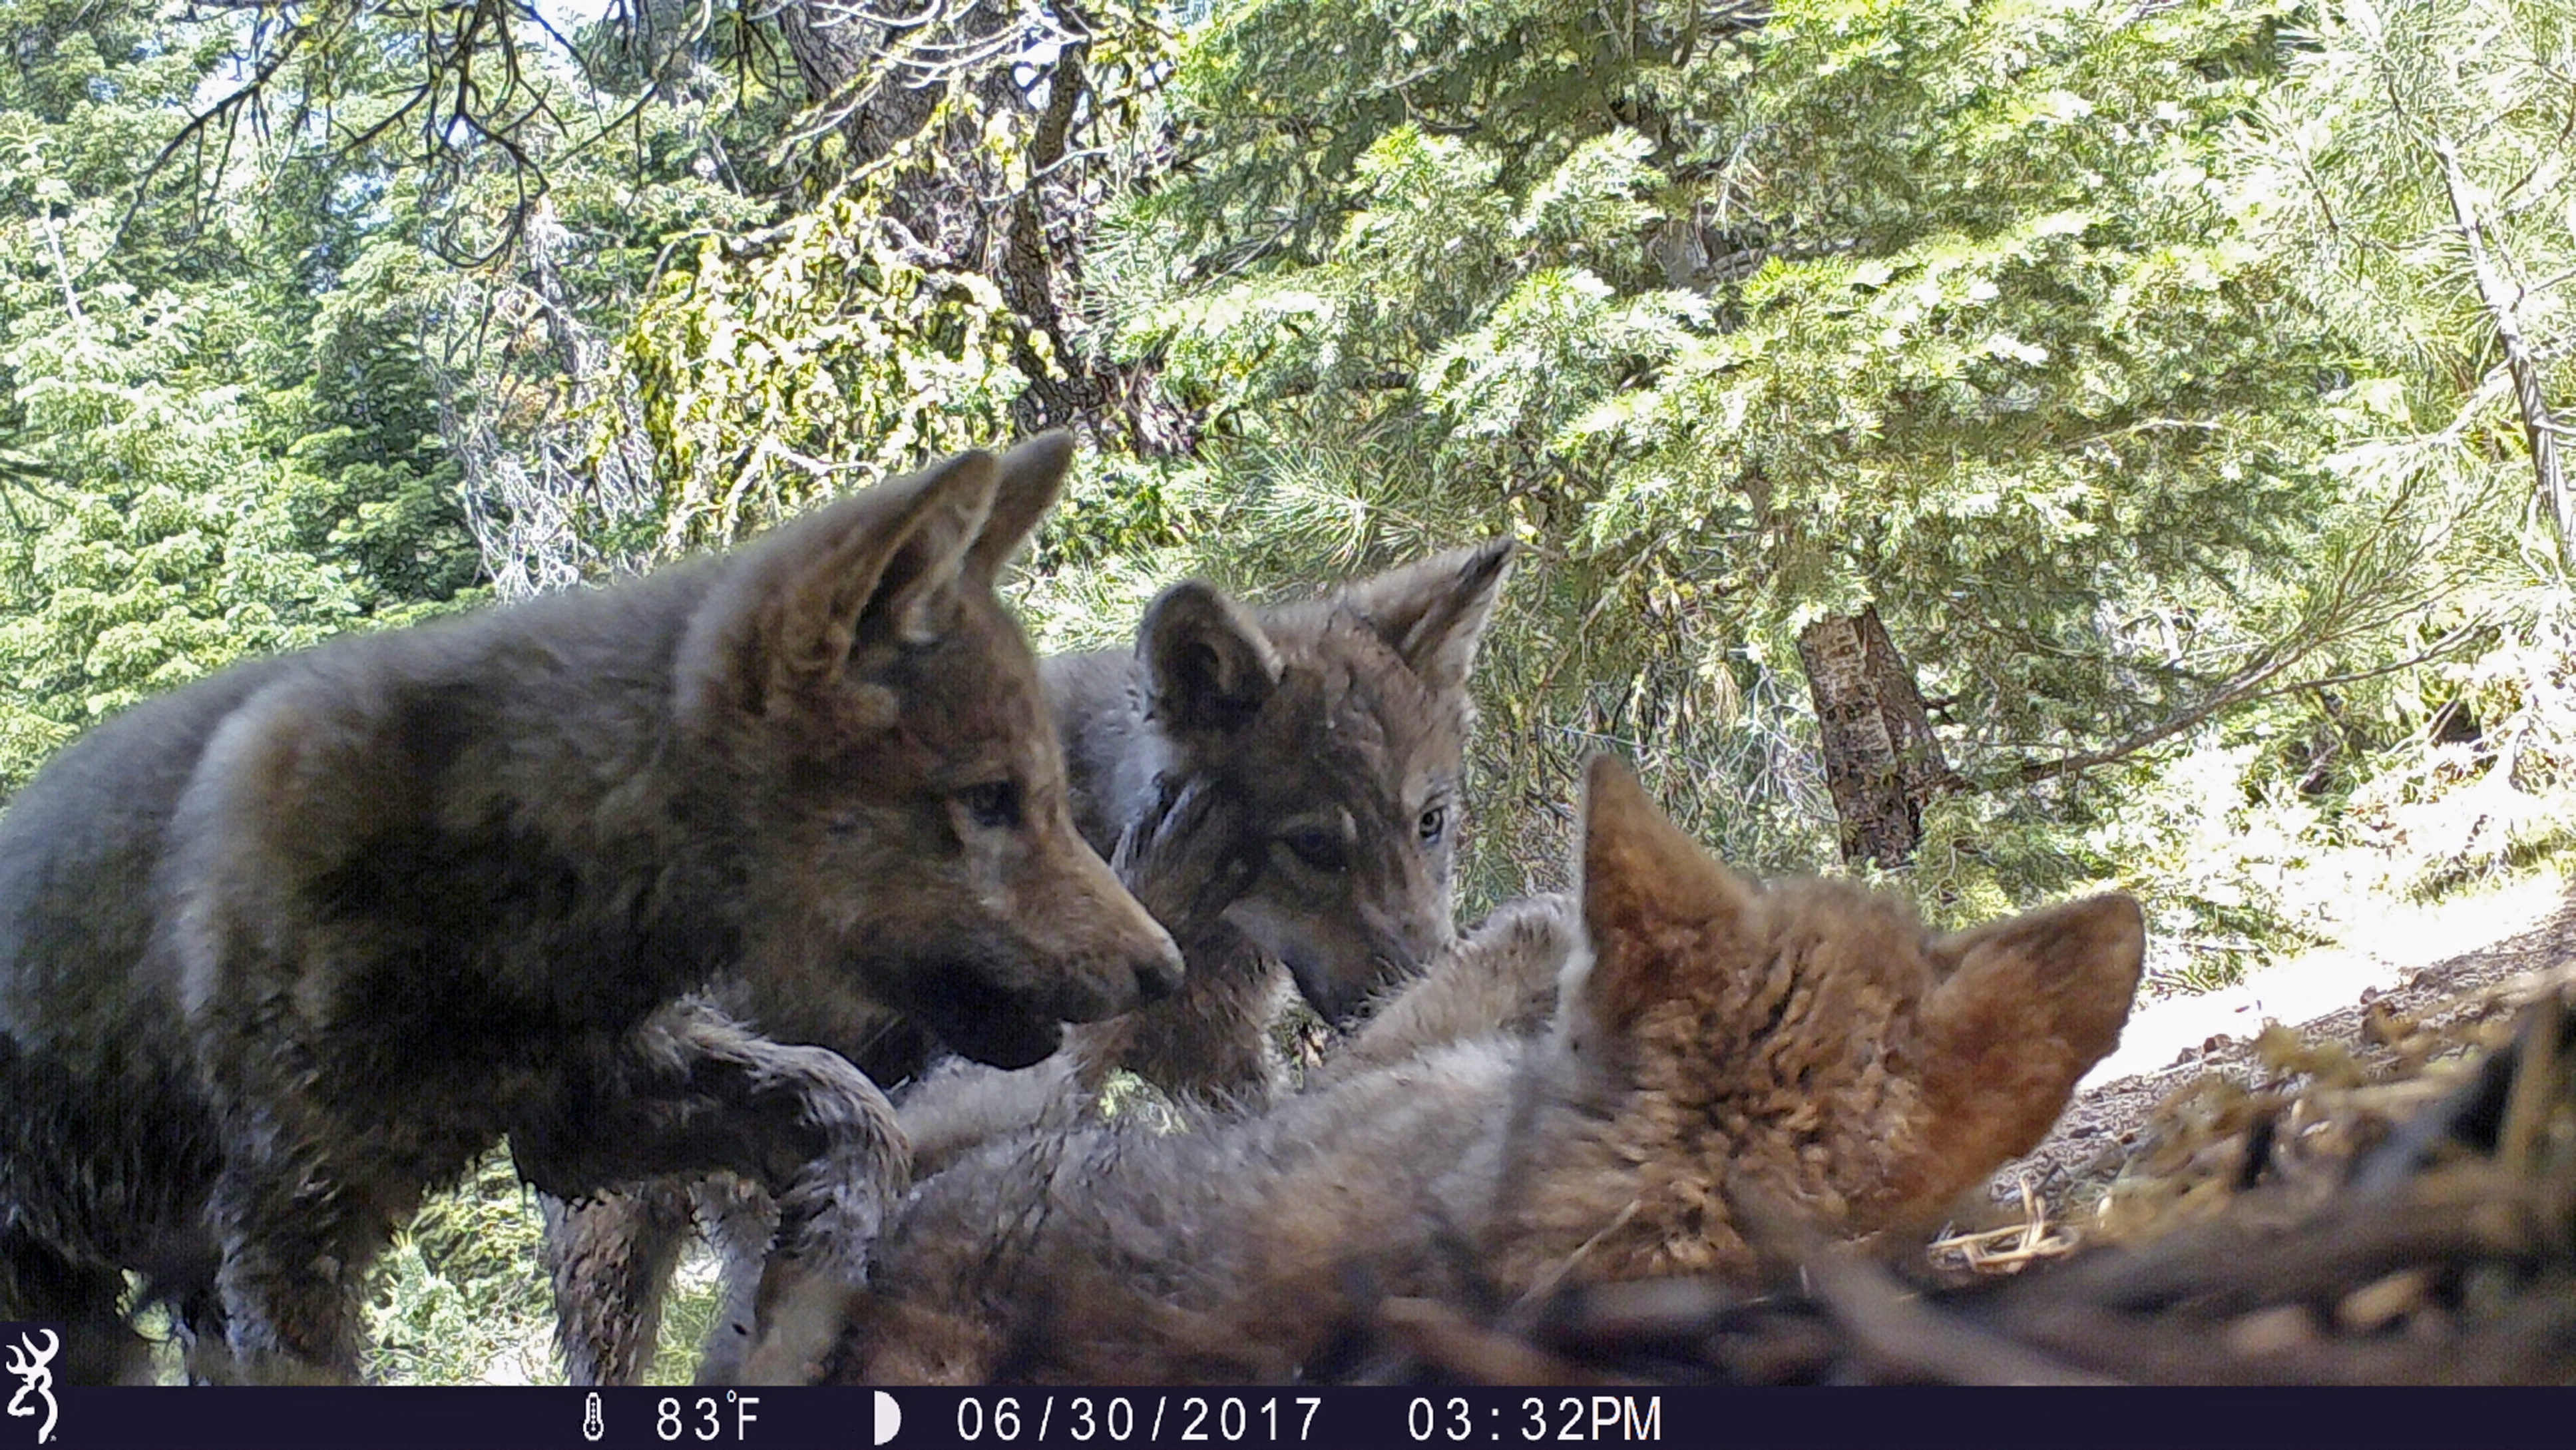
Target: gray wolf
{"type": "Point", "coordinates": [1331, 734]}
{"type": "Point", "coordinates": [284, 948]}
{"type": "Point", "coordinates": [1280, 787]}
{"type": "Point", "coordinates": [1806, 1040]}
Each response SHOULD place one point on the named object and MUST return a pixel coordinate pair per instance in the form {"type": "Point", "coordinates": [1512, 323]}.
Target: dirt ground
{"type": "Point", "coordinates": [2105, 1124]}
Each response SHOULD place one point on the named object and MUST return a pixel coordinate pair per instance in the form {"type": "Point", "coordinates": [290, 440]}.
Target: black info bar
{"type": "Point", "coordinates": [1699, 1417]}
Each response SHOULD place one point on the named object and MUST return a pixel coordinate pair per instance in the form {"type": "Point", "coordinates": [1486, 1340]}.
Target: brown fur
{"type": "Point", "coordinates": [1499, 978]}
{"type": "Point", "coordinates": [284, 948]}
{"type": "Point", "coordinates": [1806, 1039]}
{"type": "Point", "coordinates": [1202, 761]}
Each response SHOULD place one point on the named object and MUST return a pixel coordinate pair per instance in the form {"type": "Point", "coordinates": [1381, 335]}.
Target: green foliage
{"type": "Point", "coordinates": [820, 358]}
{"type": "Point", "coordinates": [215, 463]}
{"type": "Point", "coordinates": [2402, 146]}
{"type": "Point", "coordinates": [2134, 362]}
{"type": "Point", "coordinates": [171, 535]}
{"type": "Point", "coordinates": [1950, 308]}
{"type": "Point", "coordinates": [892, 316]}
{"type": "Point", "coordinates": [459, 1299]}
{"type": "Point", "coordinates": [2348, 173]}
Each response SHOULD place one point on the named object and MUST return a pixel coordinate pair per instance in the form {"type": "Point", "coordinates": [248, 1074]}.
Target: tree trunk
{"type": "Point", "coordinates": [835, 46]}
{"type": "Point", "coordinates": [2540, 426]}
{"type": "Point", "coordinates": [877, 75]}
{"type": "Point", "coordinates": [1061, 390]}
{"type": "Point", "coordinates": [1881, 758]}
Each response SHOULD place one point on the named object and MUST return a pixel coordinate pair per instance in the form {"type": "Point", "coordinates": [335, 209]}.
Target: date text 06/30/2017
{"type": "Point", "coordinates": [1228, 1419]}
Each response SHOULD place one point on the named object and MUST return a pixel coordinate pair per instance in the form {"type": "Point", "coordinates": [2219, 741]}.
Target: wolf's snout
{"type": "Point", "coordinates": [1127, 958]}
{"type": "Point", "coordinates": [1158, 964]}
{"type": "Point", "coordinates": [1158, 979]}
{"type": "Point", "coordinates": [1338, 1000]}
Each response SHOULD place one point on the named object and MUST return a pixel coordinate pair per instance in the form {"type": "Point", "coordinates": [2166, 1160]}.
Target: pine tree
{"type": "Point", "coordinates": [1943, 321]}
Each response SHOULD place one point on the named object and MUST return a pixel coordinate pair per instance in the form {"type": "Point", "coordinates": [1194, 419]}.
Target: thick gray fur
{"type": "Point", "coordinates": [287, 947]}
{"type": "Point", "coordinates": [1192, 759]}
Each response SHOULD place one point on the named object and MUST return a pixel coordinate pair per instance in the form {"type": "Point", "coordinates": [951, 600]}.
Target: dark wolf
{"type": "Point", "coordinates": [284, 948]}
{"type": "Point", "coordinates": [1280, 787]}
{"type": "Point", "coordinates": [1715, 1042]}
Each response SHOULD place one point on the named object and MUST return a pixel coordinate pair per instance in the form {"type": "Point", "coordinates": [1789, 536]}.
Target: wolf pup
{"type": "Point", "coordinates": [1806, 1040]}
{"type": "Point", "coordinates": [1331, 734]}
{"type": "Point", "coordinates": [284, 948]}
{"type": "Point", "coordinates": [1280, 787]}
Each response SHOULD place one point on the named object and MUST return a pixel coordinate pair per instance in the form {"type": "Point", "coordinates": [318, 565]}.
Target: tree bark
{"type": "Point", "coordinates": [1882, 760]}
{"type": "Point", "coordinates": [834, 46]}
{"type": "Point", "coordinates": [876, 74]}
{"type": "Point", "coordinates": [2540, 427]}
{"type": "Point", "coordinates": [1060, 390]}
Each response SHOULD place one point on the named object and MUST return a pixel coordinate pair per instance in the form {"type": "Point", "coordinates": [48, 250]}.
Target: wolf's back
{"type": "Point", "coordinates": [85, 847]}
{"type": "Point", "coordinates": [1116, 1253]}
{"type": "Point", "coordinates": [80, 847]}
{"type": "Point", "coordinates": [92, 1047]}
{"type": "Point", "coordinates": [1111, 750]}
{"type": "Point", "coordinates": [98, 1060]}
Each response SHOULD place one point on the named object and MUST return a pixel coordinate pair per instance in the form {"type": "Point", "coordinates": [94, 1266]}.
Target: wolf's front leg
{"type": "Point", "coordinates": [740, 1223]}
{"type": "Point", "coordinates": [692, 1093]}
{"type": "Point", "coordinates": [297, 1243]}
{"type": "Point", "coordinates": [611, 1256]}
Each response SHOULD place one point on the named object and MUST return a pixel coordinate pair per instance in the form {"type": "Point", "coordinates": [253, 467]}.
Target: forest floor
{"type": "Point", "coordinates": [2434, 967]}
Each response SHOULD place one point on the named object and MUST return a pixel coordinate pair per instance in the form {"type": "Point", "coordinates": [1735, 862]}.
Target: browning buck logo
{"type": "Point", "coordinates": [35, 1377]}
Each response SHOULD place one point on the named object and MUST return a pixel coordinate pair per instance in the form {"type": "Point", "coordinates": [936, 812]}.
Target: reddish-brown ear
{"type": "Point", "coordinates": [1658, 910]}
{"type": "Point", "coordinates": [2028, 1006]}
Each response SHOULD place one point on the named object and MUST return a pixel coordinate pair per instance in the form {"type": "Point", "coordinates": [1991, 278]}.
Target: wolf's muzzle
{"type": "Point", "coordinates": [1158, 980]}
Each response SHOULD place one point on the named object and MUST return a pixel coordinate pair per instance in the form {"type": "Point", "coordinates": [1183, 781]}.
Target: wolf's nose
{"type": "Point", "coordinates": [1158, 979]}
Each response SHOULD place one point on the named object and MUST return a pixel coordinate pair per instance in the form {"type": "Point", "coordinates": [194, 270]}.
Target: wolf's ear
{"type": "Point", "coordinates": [2028, 1006]}
{"type": "Point", "coordinates": [1031, 476]}
{"type": "Point", "coordinates": [891, 579]}
{"type": "Point", "coordinates": [1660, 912]}
{"type": "Point", "coordinates": [1433, 612]}
{"type": "Point", "coordinates": [1210, 664]}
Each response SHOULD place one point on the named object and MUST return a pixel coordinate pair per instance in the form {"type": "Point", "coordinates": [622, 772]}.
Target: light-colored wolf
{"type": "Point", "coordinates": [285, 947]}
{"type": "Point", "coordinates": [1806, 1041]}
{"type": "Point", "coordinates": [1279, 786]}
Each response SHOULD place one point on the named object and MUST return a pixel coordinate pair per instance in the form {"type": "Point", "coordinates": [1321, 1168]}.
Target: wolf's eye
{"type": "Point", "coordinates": [995, 804]}
{"type": "Point", "coordinates": [1318, 848]}
{"type": "Point", "coordinates": [1434, 824]}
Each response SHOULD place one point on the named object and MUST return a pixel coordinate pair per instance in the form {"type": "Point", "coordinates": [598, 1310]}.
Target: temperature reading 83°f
{"type": "Point", "coordinates": [703, 1418]}
{"type": "Point", "coordinates": [1584, 1418]}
